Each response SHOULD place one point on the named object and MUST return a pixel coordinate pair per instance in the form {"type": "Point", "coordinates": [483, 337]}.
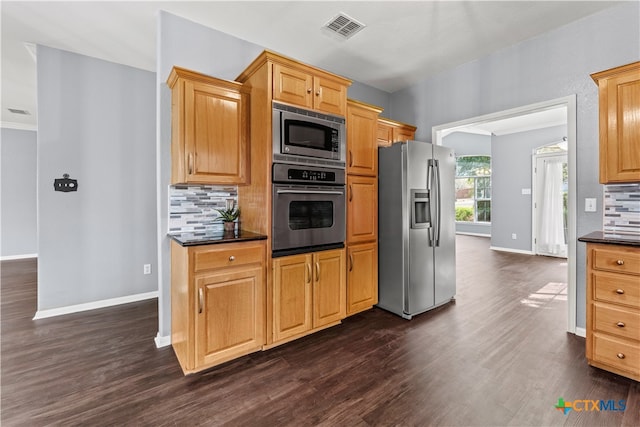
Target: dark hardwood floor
{"type": "Point", "coordinates": [497, 356]}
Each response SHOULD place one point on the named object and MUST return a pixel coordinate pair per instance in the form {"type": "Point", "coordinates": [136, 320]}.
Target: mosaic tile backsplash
{"type": "Point", "coordinates": [193, 207]}
{"type": "Point", "coordinates": [622, 209]}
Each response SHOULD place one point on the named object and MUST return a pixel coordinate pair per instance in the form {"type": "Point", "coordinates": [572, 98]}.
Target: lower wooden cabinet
{"type": "Point", "coordinates": [217, 302]}
{"type": "Point", "coordinates": [362, 277]}
{"type": "Point", "coordinates": [613, 308]}
{"type": "Point", "coordinates": [309, 293]}
{"type": "Point", "coordinates": [362, 209]}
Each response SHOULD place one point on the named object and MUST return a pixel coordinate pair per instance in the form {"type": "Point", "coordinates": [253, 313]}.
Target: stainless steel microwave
{"type": "Point", "coordinates": [304, 136]}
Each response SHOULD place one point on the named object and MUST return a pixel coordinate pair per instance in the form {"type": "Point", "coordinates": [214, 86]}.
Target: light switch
{"type": "Point", "coordinates": [589, 205]}
{"type": "Point", "coordinates": [526, 191]}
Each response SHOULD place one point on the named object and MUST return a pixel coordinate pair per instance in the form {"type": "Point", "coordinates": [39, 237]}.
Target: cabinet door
{"type": "Point", "coordinates": [215, 134]}
{"type": "Point", "coordinates": [620, 128]}
{"type": "Point", "coordinates": [292, 295]}
{"type": "Point", "coordinates": [362, 209]}
{"type": "Point", "coordinates": [384, 134]}
{"type": "Point", "coordinates": [292, 86]}
{"type": "Point", "coordinates": [362, 150]}
{"type": "Point", "coordinates": [362, 277]}
{"type": "Point", "coordinates": [229, 315]}
{"type": "Point", "coordinates": [402, 134]}
{"type": "Point", "coordinates": [329, 287]}
{"type": "Point", "coordinates": [329, 96]}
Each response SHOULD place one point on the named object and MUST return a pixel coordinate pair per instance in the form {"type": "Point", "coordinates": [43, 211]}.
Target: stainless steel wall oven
{"type": "Point", "coordinates": [308, 208]}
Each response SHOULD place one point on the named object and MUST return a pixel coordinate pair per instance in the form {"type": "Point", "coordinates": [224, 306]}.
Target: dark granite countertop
{"type": "Point", "coordinates": [611, 238]}
{"type": "Point", "coordinates": [208, 238]}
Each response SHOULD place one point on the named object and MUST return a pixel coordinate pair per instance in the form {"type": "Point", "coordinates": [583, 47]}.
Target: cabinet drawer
{"type": "Point", "coordinates": [227, 257]}
{"type": "Point", "coordinates": [616, 288]}
{"type": "Point", "coordinates": [620, 260]}
{"type": "Point", "coordinates": [618, 353]}
{"type": "Point", "coordinates": [617, 321]}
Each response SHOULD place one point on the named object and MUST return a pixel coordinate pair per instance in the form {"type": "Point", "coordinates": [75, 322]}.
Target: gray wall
{"type": "Point", "coordinates": [199, 48]}
{"type": "Point", "coordinates": [96, 122]}
{"type": "Point", "coordinates": [18, 192]}
{"type": "Point", "coordinates": [553, 65]}
{"type": "Point", "coordinates": [470, 144]}
{"type": "Point", "coordinates": [511, 157]}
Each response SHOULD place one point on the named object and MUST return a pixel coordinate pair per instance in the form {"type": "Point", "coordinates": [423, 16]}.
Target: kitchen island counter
{"type": "Point", "coordinates": [610, 238]}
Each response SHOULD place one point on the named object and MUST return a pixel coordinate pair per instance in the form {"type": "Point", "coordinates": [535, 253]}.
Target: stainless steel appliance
{"type": "Point", "coordinates": [308, 208]}
{"type": "Point", "coordinates": [308, 137]}
{"type": "Point", "coordinates": [416, 227]}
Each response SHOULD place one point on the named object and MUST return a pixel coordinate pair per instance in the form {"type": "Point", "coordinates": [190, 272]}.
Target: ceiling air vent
{"type": "Point", "coordinates": [343, 26]}
{"type": "Point", "coordinates": [17, 111]}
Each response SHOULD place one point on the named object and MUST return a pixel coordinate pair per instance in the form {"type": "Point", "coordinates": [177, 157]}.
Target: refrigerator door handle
{"type": "Point", "coordinates": [438, 200]}
{"type": "Point", "coordinates": [430, 180]}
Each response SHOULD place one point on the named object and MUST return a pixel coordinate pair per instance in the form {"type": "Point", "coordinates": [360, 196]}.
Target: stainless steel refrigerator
{"type": "Point", "coordinates": [416, 227]}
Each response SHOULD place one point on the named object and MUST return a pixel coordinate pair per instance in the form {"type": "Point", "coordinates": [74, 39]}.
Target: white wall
{"type": "Point", "coordinates": [551, 66]}
{"type": "Point", "coordinates": [96, 122]}
{"type": "Point", "coordinates": [18, 192]}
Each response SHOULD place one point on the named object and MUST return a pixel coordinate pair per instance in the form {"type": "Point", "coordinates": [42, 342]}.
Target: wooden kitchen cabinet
{"type": "Point", "coordinates": [613, 308]}
{"type": "Point", "coordinates": [362, 209]}
{"type": "Point", "coordinates": [390, 131]}
{"type": "Point", "coordinates": [217, 302]}
{"type": "Point", "coordinates": [309, 293]}
{"type": "Point", "coordinates": [209, 129]}
{"type": "Point", "coordinates": [305, 87]}
{"type": "Point", "coordinates": [362, 277]}
{"type": "Point", "coordinates": [619, 104]}
{"type": "Point", "coordinates": [362, 131]}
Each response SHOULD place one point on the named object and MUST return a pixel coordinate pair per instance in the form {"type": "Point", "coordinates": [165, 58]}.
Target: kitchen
{"type": "Point", "coordinates": [422, 114]}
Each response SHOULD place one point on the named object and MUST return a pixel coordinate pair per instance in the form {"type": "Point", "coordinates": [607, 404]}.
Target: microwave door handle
{"type": "Point", "coordinates": [339, 193]}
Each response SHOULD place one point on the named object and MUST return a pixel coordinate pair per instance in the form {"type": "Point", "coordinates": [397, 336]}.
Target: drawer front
{"type": "Point", "coordinates": [617, 321]}
{"type": "Point", "coordinates": [616, 288]}
{"type": "Point", "coordinates": [616, 352]}
{"type": "Point", "coordinates": [620, 260]}
{"type": "Point", "coordinates": [227, 256]}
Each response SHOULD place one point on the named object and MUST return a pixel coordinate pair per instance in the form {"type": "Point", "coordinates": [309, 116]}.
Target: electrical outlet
{"type": "Point", "coordinates": [514, 236]}
{"type": "Point", "coordinates": [147, 269]}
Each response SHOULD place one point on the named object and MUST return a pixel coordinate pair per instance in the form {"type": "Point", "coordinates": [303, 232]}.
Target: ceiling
{"type": "Point", "coordinates": [402, 43]}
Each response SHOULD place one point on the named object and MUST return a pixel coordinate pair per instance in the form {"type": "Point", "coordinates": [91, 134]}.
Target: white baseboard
{"type": "Point", "coordinates": [581, 332]}
{"type": "Point", "coordinates": [42, 314]}
{"type": "Point", "coordinates": [12, 257]}
{"type": "Point", "coordinates": [515, 251]}
{"type": "Point", "coordinates": [162, 340]}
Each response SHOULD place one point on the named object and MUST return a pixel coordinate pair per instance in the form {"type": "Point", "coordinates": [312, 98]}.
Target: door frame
{"type": "Point", "coordinates": [534, 199]}
{"type": "Point", "coordinates": [569, 102]}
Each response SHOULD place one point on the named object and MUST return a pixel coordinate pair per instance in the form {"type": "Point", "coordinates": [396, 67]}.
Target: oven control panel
{"type": "Point", "coordinates": [289, 173]}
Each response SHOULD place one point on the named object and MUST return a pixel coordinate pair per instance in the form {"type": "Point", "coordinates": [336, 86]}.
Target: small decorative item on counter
{"type": "Point", "coordinates": [229, 215]}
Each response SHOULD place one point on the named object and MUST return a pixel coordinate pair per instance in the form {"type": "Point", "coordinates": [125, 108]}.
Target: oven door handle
{"type": "Point", "coordinates": [339, 193]}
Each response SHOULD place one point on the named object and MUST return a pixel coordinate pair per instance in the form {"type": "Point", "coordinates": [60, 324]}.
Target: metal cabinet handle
{"type": "Point", "coordinates": [190, 163]}
{"type": "Point", "coordinates": [350, 192]}
{"type": "Point", "coordinates": [308, 273]}
{"type": "Point", "coordinates": [318, 93]}
{"type": "Point", "coordinates": [232, 258]}
{"type": "Point", "coordinates": [619, 291]}
{"type": "Point", "coordinates": [620, 324]}
{"type": "Point", "coordinates": [317, 271]}
{"type": "Point", "coordinates": [308, 90]}
{"type": "Point", "coordinates": [350, 262]}
{"type": "Point", "coordinates": [620, 262]}
{"type": "Point", "coordinates": [200, 300]}
{"type": "Point", "coordinates": [350, 159]}
{"type": "Point", "coordinates": [620, 355]}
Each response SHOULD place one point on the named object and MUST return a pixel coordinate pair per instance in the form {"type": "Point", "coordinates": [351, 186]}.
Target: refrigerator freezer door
{"type": "Point", "coordinates": [419, 295]}
{"type": "Point", "coordinates": [445, 251]}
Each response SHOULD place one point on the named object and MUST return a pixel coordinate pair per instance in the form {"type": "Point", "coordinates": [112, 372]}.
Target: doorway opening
{"type": "Point", "coordinates": [564, 108]}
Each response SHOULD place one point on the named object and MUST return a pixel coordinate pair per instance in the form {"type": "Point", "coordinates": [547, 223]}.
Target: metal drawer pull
{"type": "Point", "coordinates": [619, 291]}
{"type": "Point", "coordinates": [308, 273]}
{"type": "Point", "coordinates": [232, 258]}
{"type": "Point", "coordinates": [620, 262]}
{"type": "Point", "coordinates": [620, 355]}
{"type": "Point", "coordinates": [317, 271]}
{"type": "Point", "coordinates": [620, 324]}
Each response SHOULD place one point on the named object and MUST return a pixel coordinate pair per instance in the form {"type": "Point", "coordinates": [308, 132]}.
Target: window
{"type": "Point", "coordinates": [473, 189]}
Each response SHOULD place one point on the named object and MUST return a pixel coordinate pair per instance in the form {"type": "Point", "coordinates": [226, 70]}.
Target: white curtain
{"type": "Point", "coordinates": [552, 213]}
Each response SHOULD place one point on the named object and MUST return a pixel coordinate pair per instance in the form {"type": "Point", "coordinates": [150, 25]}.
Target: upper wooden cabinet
{"type": "Point", "coordinates": [209, 141]}
{"type": "Point", "coordinates": [390, 131]}
{"type": "Point", "coordinates": [362, 128]}
{"type": "Point", "coordinates": [299, 84]}
{"type": "Point", "coordinates": [619, 95]}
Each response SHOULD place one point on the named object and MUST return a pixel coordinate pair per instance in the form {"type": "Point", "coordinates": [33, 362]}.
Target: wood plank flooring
{"type": "Point", "coordinates": [497, 356]}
